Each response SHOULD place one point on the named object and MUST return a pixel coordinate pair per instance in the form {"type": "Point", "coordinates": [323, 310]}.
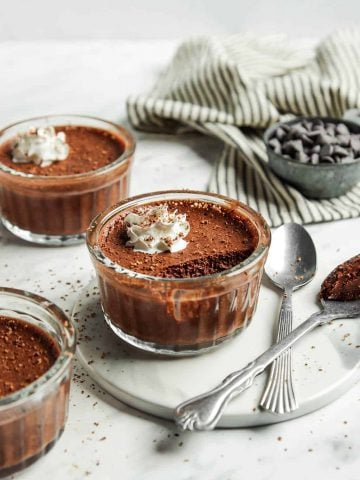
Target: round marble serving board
{"type": "Point", "coordinates": [325, 362]}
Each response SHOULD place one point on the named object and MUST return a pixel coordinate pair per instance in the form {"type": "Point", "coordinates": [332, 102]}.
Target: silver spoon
{"type": "Point", "coordinates": [291, 264]}
{"type": "Point", "coordinates": [204, 411]}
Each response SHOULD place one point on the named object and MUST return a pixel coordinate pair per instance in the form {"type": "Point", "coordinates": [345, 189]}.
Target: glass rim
{"type": "Point", "coordinates": [68, 333]}
{"type": "Point", "coordinates": [126, 154]}
{"type": "Point", "coordinates": [100, 221]}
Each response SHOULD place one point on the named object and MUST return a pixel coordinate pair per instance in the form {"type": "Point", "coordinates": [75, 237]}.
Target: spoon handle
{"type": "Point", "coordinates": [204, 411]}
{"type": "Point", "coordinates": [279, 395]}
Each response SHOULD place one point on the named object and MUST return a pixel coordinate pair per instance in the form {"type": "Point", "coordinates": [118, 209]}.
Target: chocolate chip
{"type": "Point", "coordinates": [326, 150]}
{"type": "Point", "coordinates": [306, 140]}
{"type": "Point", "coordinates": [274, 142]}
{"type": "Point", "coordinates": [293, 146]}
{"type": "Point", "coordinates": [280, 133]}
{"type": "Point", "coordinates": [313, 133]}
{"type": "Point", "coordinates": [324, 139]}
{"type": "Point", "coordinates": [344, 140]}
{"type": "Point", "coordinates": [355, 143]}
{"type": "Point", "coordinates": [301, 157]}
{"type": "Point", "coordinates": [330, 129]}
{"type": "Point", "coordinates": [315, 158]}
{"type": "Point", "coordinates": [317, 123]}
{"type": "Point", "coordinates": [342, 129]}
{"type": "Point", "coordinates": [307, 125]}
{"type": "Point", "coordinates": [340, 151]}
{"type": "Point", "coordinates": [297, 131]}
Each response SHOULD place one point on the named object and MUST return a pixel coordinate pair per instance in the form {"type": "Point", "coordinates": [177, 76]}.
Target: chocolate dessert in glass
{"type": "Point", "coordinates": [179, 271]}
{"type": "Point", "coordinates": [37, 345]}
{"type": "Point", "coordinates": [58, 172]}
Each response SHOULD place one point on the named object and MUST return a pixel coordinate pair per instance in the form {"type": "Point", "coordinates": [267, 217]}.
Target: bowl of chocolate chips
{"type": "Point", "coordinates": [319, 156]}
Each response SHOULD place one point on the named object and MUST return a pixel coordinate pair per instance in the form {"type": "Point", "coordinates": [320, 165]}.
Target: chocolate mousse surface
{"type": "Point", "coordinates": [90, 149]}
{"type": "Point", "coordinates": [343, 283]}
{"type": "Point", "coordinates": [219, 238]}
{"type": "Point", "coordinates": [27, 352]}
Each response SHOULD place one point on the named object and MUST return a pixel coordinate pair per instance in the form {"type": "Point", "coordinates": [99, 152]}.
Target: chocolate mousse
{"type": "Point", "coordinates": [219, 238]}
{"type": "Point", "coordinates": [27, 352]}
{"type": "Point", "coordinates": [343, 283]}
{"type": "Point", "coordinates": [55, 179]}
{"type": "Point", "coordinates": [31, 425]}
{"type": "Point", "coordinates": [167, 269]}
{"type": "Point", "coordinates": [37, 344]}
{"type": "Point", "coordinates": [89, 149]}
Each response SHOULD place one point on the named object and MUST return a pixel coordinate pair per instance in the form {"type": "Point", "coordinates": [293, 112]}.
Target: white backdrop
{"type": "Point", "coordinates": [71, 19]}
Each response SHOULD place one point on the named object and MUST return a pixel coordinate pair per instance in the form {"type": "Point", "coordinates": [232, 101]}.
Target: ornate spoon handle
{"type": "Point", "coordinates": [279, 395]}
{"type": "Point", "coordinates": [204, 411]}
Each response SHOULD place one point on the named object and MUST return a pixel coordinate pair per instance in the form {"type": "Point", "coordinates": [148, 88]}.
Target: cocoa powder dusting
{"type": "Point", "coordinates": [27, 352]}
{"type": "Point", "coordinates": [90, 149]}
{"type": "Point", "coordinates": [219, 239]}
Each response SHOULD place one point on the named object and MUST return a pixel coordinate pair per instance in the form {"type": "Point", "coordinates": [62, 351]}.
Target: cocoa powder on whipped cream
{"type": "Point", "coordinates": [41, 146]}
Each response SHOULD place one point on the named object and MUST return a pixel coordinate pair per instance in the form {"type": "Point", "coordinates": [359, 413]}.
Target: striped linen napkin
{"type": "Point", "coordinates": [232, 88]}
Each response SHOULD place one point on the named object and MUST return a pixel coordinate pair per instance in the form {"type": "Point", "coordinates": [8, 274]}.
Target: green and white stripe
{"type": "Point", "coordinates": [232, 88]}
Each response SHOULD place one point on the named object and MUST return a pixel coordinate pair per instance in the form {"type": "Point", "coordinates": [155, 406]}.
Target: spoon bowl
{"type": "Point", "coordinates": [292, 257]}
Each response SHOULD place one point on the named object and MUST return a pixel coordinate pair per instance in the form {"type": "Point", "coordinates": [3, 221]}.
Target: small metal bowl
{"type": "Point", "coordinates": [314, 181]}
{"type": "Point", "coordinates": [353, 115]}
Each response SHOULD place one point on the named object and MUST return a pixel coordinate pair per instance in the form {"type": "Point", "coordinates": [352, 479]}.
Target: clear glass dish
{"type": "Point", "coordinates": [33, 418]}
{"type": "Point", "coordinates": [178, 316]}
{"type": "Point", "coordinates": [57, 210]}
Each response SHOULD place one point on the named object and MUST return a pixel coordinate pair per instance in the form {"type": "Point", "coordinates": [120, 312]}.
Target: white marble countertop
{"type": "Point", "coordinates": [104, 439]}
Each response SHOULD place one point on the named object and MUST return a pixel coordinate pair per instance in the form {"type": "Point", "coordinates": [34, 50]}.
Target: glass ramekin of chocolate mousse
{"type": "Point", "coordinates": [58, 172]}
{"type": "Point", "coordinates": [179, 271]}
{"type": "Point", "coordinates": [37, 344]}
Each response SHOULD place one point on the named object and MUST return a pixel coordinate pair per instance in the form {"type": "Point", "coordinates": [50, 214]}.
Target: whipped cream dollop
{"type": "Point", "coordinates": [41, 146]}
{"type": "Point", "coordinates": [156, 230]}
